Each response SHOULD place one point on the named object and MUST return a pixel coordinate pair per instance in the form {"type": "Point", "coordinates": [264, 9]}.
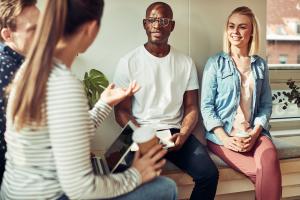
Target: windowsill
{"type": "Point", "coordinates": [291, 119]}
{"type": "Point", "coordinates": [285, 133]}
{"type": "Point", "coordinates": [285, 127]}
{"type": "Point", "coordinates": [284, 66]}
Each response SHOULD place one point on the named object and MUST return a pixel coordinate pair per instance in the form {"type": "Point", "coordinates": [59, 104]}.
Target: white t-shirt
{"type": "Point", "coordinates": [163, 83]}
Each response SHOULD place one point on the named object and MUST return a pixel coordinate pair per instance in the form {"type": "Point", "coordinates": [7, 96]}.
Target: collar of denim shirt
{"type": "Point", "coordinates": [225, 55]}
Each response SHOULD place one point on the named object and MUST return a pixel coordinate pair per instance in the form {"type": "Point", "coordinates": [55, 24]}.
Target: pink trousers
{"type": "Point", "coordinates": [260, 165]}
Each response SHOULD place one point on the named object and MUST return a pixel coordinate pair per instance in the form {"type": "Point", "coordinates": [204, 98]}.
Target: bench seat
{"type": "Point", "coordinates": [234, 185]}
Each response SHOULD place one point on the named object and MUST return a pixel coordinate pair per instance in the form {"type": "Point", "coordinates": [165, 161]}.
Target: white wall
{"type": "Point", "coordinates": [207, 23]}
{"type": "Point", "coordinates": [198, 32]}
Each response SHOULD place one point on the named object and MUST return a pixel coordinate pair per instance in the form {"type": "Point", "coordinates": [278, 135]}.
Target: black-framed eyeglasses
{"type": "Point", "coordinates": [161, 21]}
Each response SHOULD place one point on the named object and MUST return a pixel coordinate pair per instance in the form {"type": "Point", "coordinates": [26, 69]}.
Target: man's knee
{"type": "Point", "coordinates": [213, 174]}
{"type": "Point", "coordinates": [209, 174]}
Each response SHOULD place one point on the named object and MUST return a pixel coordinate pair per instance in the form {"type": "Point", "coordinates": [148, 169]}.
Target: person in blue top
{"type": "Point", "coordinates": [18, 19]}
{"type": "Point", "coordinates": [236, 105]}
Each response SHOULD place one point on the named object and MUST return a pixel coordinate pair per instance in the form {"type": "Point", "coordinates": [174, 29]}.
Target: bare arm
{"type": "Point", "coordinates": [190, 118]}
{"type": "Point", "coordinates": [191, 112]}
{"type": "Point", "coordinates": [220, 133]}
{"type": "Point", "coordinates": [123, 112]}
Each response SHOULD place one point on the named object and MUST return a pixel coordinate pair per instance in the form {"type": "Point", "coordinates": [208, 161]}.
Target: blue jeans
{"type": "Point", "coordinates": [161, 188]}
{"type": "Point", "coordinates": [193, 159]}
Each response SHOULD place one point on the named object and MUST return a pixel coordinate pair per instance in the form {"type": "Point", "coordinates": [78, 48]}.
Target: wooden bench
{"type": "Point", "coordinates": [235, 186]}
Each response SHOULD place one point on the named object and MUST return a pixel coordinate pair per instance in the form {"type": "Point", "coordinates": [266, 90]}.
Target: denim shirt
{"type": "Point", "coordinates": [220, 96]}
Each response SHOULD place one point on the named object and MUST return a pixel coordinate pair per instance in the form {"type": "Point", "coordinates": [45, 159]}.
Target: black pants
{"type": "Point", "coordinates": [193, 159]}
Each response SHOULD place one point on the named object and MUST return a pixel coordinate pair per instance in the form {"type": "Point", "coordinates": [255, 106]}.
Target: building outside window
{"type": "Point", "coordinates": [283, 52]}
{"type": "Point", "coordinates": [283, 30]}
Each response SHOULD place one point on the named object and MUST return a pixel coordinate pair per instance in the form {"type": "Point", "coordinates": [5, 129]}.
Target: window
{"type": "Point", "coordinates": [283, 32]}
{"type": "Point", "coordinates": [283, 52]}
{"type": "Point", "coordinates": [283, 58]}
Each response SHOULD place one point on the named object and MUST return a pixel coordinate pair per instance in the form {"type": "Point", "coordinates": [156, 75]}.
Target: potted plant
{"type": "Point", "coordinates": [291, 96]}
{"type": "Point", "coordinates": [94, 84]}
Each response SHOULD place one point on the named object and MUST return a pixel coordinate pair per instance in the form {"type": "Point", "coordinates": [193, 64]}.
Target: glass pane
{"type": "Point", "coordinates": [283, 55]}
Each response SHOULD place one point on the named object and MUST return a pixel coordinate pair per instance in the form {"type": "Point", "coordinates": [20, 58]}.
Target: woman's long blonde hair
{"type": "Point", "coordinates": [253, 45]}
{"type": "Point", "coordinates": [60, 18]}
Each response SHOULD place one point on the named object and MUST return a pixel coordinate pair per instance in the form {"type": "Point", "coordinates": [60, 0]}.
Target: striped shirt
{"type": "Point", "coordinates": [54, 159]}
{"type": "Point", "coordinates": [10, 62]}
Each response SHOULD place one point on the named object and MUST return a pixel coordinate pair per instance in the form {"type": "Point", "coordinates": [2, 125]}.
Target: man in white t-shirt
{"type": "Point", "coordinates": [168, 98]}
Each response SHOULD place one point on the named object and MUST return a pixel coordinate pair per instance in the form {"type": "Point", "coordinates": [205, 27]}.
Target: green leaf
{"type": "Point", "coordinates": [94, 84]}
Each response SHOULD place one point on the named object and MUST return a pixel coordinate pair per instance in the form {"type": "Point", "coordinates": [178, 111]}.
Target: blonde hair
{"type": "Point", "coordinates": [253, 45]}
{"type": "Point", "coordinates": [9, 11]}
{"type": "Point", "coordinates": [61, 18]}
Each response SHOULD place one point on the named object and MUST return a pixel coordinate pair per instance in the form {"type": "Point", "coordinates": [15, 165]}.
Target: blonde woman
{"type": "Point", "coordinates": [49, 126]}
{"type": "Point", "coordinates": [236, 105]}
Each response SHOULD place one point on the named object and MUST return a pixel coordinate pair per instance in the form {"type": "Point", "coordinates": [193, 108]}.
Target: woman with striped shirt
{"type": "Point", "coordinates": [49, 127]}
